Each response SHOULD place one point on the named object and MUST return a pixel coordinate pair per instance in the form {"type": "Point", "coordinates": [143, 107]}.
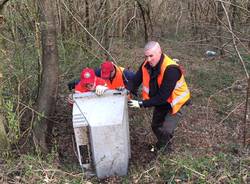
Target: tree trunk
{"type": "Point", "coordinates": [88, 38]}
{"type": "Point", "coordinates": [248, 18]}
{"type": "Point", "coordinates": [192, 7]}
{"type": "Point", "coordinates": [48, 92]}
{"type": "Point", "coordinates": [4, 144]}
{"type": "Point", "coordinates": [2, 3]}
{"type": "Point", "coordinates": [143, 13]}
{"type": "Point", "coordinates": [106, 31]}
{"type": "Point", "coordinates": [246, 119]}
{"type": "Point", "coordinates": [233, 9]}
{"type": "Point", "coordinates": [220, 14]}
{"type": "Point", "coordinates": [120, 22]}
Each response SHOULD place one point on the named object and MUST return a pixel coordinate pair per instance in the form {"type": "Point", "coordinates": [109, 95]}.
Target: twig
{"type": "Point", "coordinates": [74, 147]}
{"type": "Point", "coordinates": [240, 7]}
{"type": "Point", "coordinates": [247, 75]}
{"type": "Point", "coordinates": [218, 92]}
{"type": "Point", "coordinates": [177, 24]}
{"type": "Point", "coordinates": [246, 118]}
{"type": "Point", "coordinates": [194, 171]}
{"type": "Point", "coordinates": [136, 181]}
{"type": "Point", "coordinates": [58, 170]}
{"type": "Point", "coordinates": [38, 113]}
{"type": "Point", "coordinates": [233, 37]}
{"type": "Point", "coordinates": [231, 112]}
{"type": "Point", "coordinates": [130, 19]}
{"type": "Point", "coordinates": [5, 38]}
{"type": "Point", "coordinates": [70, 12]}
{"type": "Point", "coordinates": [113, 59]}
{"type": "Point", "coordinates": [2, 3]}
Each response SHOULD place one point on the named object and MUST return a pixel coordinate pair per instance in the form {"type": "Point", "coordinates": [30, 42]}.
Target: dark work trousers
{"type": "Point", "coordinates": [164, 124]}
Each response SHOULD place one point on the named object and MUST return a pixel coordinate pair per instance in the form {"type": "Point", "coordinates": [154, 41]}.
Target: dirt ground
{"type": "Point", "coordinates": [141, 138]}
{"type": "Point", "coordinates": [202, 131]}
{"type": "Point", "coordinates": [205, 130]}
{"type": "Point", "coordinates": [193, 135]}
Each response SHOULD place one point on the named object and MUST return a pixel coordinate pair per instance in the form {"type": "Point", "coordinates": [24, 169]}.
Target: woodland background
{"type": "Point", "coordinates": [44, 44]}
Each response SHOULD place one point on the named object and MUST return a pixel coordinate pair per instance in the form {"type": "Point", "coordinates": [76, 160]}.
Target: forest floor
{"type": "Point", "coordinates": [207, 145]}
{"type": "Point", "coordinates": [213, 123]}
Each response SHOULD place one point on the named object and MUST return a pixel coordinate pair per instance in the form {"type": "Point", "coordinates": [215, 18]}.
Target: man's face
{"type": "Point", "coordinates": [89, 86]}
{"type": "Point", "coordinates": [152, 56]}
{"type": "Point", "coordinates": [110, 76]}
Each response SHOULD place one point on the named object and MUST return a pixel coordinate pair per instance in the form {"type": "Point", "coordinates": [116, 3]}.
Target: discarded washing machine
{"type": "Point", "coordinates": [102, 132]}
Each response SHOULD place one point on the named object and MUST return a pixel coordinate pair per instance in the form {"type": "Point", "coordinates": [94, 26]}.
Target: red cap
{"type": "Point", "coordinates": [106, 68]}
{"type": "Point", "coordinates": [87, 76]}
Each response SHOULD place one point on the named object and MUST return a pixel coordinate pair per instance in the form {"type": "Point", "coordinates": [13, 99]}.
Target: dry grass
{"type": "Point", "coordinates": [207, 143]}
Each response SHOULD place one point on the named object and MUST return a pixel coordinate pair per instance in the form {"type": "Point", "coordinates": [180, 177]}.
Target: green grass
{"type": "Point", "coordinates": [206, 169]}
{"type": "Point", "coordinates": [206, 77]}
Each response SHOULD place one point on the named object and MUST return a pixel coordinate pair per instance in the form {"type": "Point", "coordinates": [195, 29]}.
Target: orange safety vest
{"type": "Point", "coordinates": [180, 94]}
{"type": "Point", "coordinates": [117, 80]}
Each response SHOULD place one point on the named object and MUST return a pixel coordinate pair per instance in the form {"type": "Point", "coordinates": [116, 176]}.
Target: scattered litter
{"type": "Point", "coordinates": [210, 53]}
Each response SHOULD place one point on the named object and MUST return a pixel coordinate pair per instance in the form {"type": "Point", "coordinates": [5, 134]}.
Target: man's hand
{"type": "Point", "coordinates": [70, 99]}
{"type": "Point", "coordinates": [99, 90]}
{"type": "Point", "coordinates": [134, 103]}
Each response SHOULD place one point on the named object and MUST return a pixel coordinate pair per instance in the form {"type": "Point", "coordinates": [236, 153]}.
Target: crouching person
{"type": "Point", "coordinates": [164, 88]}
{"type": "Point", "coordinates": [89, 82]}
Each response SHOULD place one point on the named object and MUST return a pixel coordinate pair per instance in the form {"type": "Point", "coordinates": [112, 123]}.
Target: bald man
{"type": "Point", "coordinates": [163, 87]}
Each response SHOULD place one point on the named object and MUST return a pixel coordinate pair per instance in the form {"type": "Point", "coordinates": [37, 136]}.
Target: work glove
{"type": "Point", "coordinates": [99, 90]}
{"type": "Point", "coordinates": [135, 103]}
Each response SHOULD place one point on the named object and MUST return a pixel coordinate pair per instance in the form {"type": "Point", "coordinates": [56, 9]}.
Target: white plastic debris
{"type": "Point", "coordinates": [210, 53]}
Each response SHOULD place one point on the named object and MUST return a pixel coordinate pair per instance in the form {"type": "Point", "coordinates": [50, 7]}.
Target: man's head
{"type": "Point", "coordinates": [107, 70]}
{"type": "Point", "coordinates": [152, 53]}
{"type": "Point", "coordinates": [88, 78]}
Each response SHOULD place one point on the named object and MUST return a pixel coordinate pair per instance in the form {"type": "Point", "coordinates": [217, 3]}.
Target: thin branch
{"type": "Point", "coordinates": [202, 176]}
{"type": "Point", "coordinates": [231, 112]}
{"type": "Point", "coordinates": [108, 53]}
{"type": "Point", "coordinates": [70, 12]}
{"type": "Point", "coordinates": [2, 3]}
{"type": "Point", "coordinates": [246, 118]}
{"type": "Point", "coordinates": [136, 181]}
{"type": "Point", "coordinates": [247, 75]}
{"type": "Point", "coordinates": [233, 37]}
{"type": "Point", "coordinates": [179, 18]}
{"type": "Point", "coordinates": [218, 92]}
{"type": "Point", "coordinates": [38, 113]}
{"type": "Point", "coordinates": [240, 7]}
{"type": "Point", "coordinates": [130, 18]}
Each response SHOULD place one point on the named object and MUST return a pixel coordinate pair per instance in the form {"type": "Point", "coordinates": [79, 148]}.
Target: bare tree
{"type": "Point", "coordinates": [3, 135]}
{"type": "Point", "coordinates": [87, 22]}
{"type": "Point", "coordinates": [220, 15]}
{"type": "Point", "coordinates": [106, 31]}
{"type": "Point", "coordinates": [2, 3]}
{"type": "Point", "coordinates": [248, 19]}
{"type": "Point", "coordinates": [4, 144]}
{"type": "Point", "coordinates": [192, 6]}
{"type": "Point", "coordinates": [144, 18]}
{"type": "Point", "coordinates": [233, 7]}
{"type": "Point", "coordinates": [49, 85]}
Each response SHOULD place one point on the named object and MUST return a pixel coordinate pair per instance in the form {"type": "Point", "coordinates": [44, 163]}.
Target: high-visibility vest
{"type": "Point", "coordinates": [117, 80]}
{"type": "Point", "coordinates": [180, 94]}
